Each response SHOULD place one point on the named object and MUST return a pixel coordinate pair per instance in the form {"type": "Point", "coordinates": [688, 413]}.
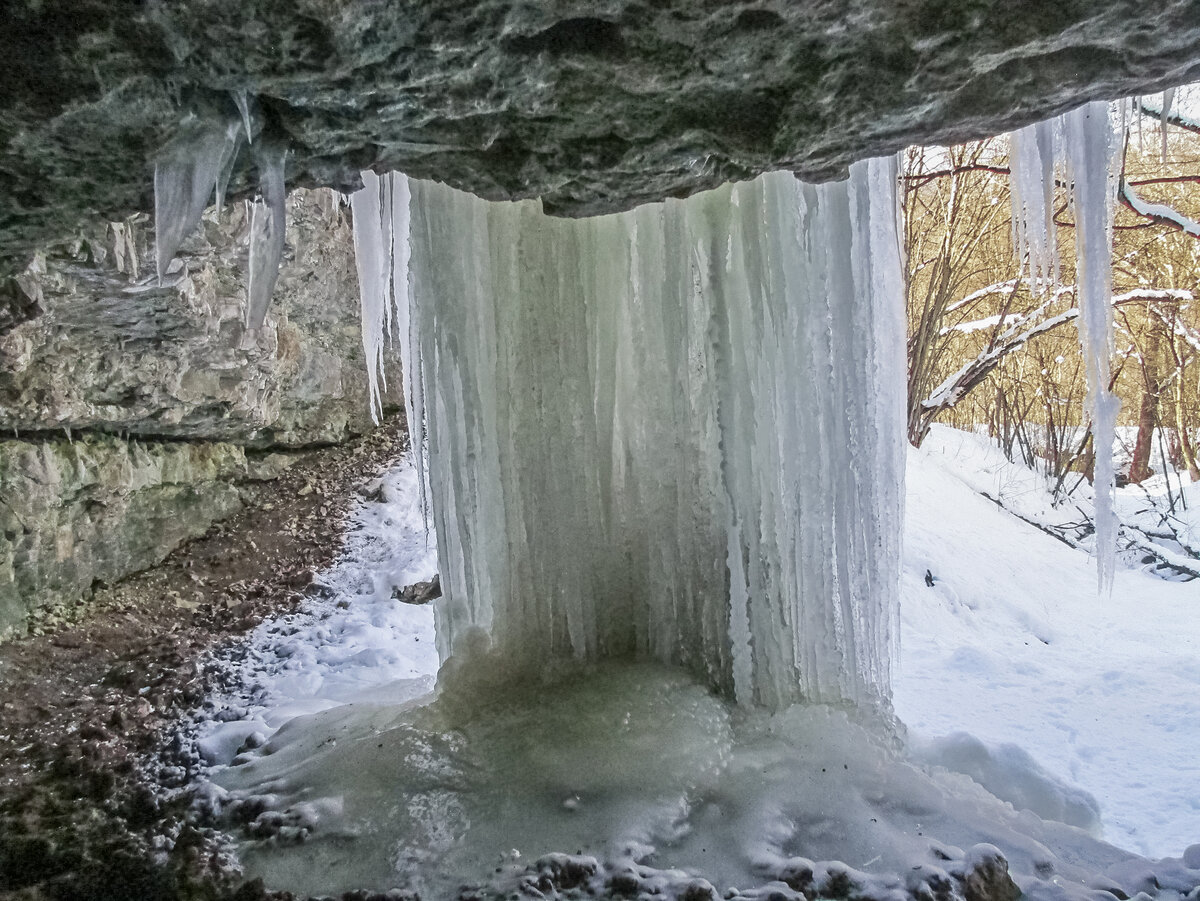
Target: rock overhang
{"type": "Point", "coordinates": [592, 107]}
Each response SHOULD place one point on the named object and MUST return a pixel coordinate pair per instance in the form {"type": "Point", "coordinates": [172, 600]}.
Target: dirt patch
{"type": "Point", "coordinates": [80, 706]}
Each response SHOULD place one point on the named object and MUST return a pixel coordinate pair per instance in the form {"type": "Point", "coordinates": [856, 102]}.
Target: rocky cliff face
{"type": "Point", "coordinates": [115, 351]}
{"type": "Point", "coordinates": [79, 513]}
{"type": "Point", "coordinates": [134, 410]}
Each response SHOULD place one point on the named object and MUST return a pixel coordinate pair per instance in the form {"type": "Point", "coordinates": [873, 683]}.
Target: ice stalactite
{"type": "Point", "coordinates": [197, 165]}
{"type": "Point", "coordinates": [1033, 152]}
{"type": "Point", "coordinates": [1168, 99]}
{"type": "Point", "coordinates": [268, 229]}
{"type": "Point", "coordinates": [1084, 142]}
{"type": "Point", "coordinates": [1088, 135]}
{"type": "Point", "coordinates": [672, 434]}
{"type": "Point", "coordinates": [372, 257]}
{"type": "Point", "coordinates": [188, 172]}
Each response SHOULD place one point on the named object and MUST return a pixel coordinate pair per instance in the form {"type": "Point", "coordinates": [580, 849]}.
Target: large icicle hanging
{"type": "Point", "coordinates": [674, 433]}
{"type": "Point", "coordinates": [197, 165]}
{"type": "Point", "coordinates": [1032, 155]}
{"type": "Point", "coordinates": [1088, 135]}
{"type": "Point", "coordinates": [381, 252]}
{"type": "Point", "coordinates": [186, 174]}
{"type": "Point", "coordinates": [371, 208]}
{"type": "Point", "coordinates": [268, 229]}
{"type": "Point", "coordinates": [1087, 147]}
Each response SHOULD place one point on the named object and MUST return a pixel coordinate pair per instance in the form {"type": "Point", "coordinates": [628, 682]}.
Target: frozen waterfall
{"type": "Point", "coordinates": [671, 434]}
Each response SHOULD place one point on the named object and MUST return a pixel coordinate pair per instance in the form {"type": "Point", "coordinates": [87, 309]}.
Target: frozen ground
{"type": "Point", "coordinates": [1082, 709]}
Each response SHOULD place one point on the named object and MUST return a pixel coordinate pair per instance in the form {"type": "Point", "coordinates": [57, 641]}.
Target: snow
{"type": "Point", "coordinates": [351, 641]}
{"type": "Point", "coordinates": [1013, 646]}
{"type": "Point", "coordinates": [1158, 211]}
{"type": "Point", "coordinates": [1014, 677]}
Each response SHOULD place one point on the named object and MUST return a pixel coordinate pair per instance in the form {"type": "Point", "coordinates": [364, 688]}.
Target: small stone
{"type": "Point", "coordinates": [987, 877]}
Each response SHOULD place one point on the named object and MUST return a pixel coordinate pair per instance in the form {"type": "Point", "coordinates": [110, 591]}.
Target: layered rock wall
{"type": "Point", "coordinates": [132, 410]}
{"type": "Point", "coordinates": [77, 513]}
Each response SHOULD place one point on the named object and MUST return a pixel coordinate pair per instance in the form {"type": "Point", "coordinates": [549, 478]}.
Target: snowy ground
{"type": "Point", "coordinates": [1012, 644]}
{"type": "Point", "coordinates": [1058, 687]}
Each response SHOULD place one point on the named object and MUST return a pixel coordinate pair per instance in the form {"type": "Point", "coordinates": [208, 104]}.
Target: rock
{"type": "Point", "coordinates": [986, 876]}
{"type": "Point", "coordinates": [97, 508]}
{"type": "Point", "coordinates": [592, 107]}
{"type": "Point", "coordinates": [420, 592]}
{"type": "Point", "coordinates": [113, 351]}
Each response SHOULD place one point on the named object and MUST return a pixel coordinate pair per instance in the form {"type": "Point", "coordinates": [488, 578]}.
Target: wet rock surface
{"type": "Point", "coordinates": [593, 107]}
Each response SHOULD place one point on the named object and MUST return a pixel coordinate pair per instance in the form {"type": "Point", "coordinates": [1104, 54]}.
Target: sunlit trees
{"type": "Point", "coordinates": [987, 343]}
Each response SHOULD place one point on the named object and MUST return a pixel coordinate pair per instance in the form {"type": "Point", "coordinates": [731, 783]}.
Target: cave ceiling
{"type": "Point", "coordinates": [593, 107]}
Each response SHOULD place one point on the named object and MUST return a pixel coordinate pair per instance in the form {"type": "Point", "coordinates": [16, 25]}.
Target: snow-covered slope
{"type": "Point", "coordinates": [1013, 644]}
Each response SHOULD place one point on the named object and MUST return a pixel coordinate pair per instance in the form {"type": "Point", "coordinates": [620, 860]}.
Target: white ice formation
{"type": "Point", "coordinates": [1083, 141]}
{"type": "Point", "coordinates": [672, 434]}
{"type": "Point", "coordinates": [268, 227]}
{"type": "Point", "coordinates": [190, 171]}
{"type": "Point", "coordinates": [197, 166]}
{"type": "Point", "coordinates": [1033, 152]}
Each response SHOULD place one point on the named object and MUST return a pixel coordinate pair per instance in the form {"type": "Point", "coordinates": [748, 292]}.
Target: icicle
{"type": "Point", "coordinates": [225, 170]}
{"type": "Point", "coordinates": [1168, 98]}
{"type": "Point", "coordinates": [185, 176]}
{"type": "Point", "coordinates": [372, 256]}
{"type": "Point", "coordinates": [241, 99]}
{"type": "Point", "coordinates": [1088, 136]}
{"type": "Point", "coordinates": [268, 229]}
{"type": "Point", "coordinates": [674, 433]}
{"type": "Point", "coordinates": [409, 346]}
{"type": "Point", "coordinates": [1031, 161]}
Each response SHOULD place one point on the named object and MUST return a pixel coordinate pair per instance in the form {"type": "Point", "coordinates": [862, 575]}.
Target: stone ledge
{"type": "Point", "coordinates": [75, 514]}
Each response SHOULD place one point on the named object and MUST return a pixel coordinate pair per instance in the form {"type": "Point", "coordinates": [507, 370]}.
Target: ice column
{"type": "Point", "coordinates": [371, 209]}
{"type": "Point", "coordinates": [381, 253]}
{"type": "Point", "coordinates": [674, 433]}
{"type": "Point", "coordinates": [1088, 135]}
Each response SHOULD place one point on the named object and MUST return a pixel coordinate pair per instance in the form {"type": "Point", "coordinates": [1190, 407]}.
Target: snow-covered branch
{"type": "Point", "coordinates": [1174, 117]}
{"type": "Point", "coordinates": [955, 387]}
{"type": "Point", "coordinates": [1159, 213]}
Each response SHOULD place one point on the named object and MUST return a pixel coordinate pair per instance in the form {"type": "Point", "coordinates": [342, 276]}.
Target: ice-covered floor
{"type": "Point", "coordinates": [1010, 645]}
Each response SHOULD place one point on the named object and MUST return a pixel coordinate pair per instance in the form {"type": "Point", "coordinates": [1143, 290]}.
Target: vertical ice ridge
{"type": "Point", "coordinates": [1033, 151]}
{"type": "Point", "coordinates": [1083, 139]}
{"type": "Point", "coordinates": [673, 433]}
{"type": "Point", "coordinates": [1168, 100]}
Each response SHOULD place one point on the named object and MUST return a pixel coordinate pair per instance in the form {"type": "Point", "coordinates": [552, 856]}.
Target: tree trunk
{"type": "Point", "coordinates": [1139, 468]}
{"type": "Point", "coordinates": [1186, 450]}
